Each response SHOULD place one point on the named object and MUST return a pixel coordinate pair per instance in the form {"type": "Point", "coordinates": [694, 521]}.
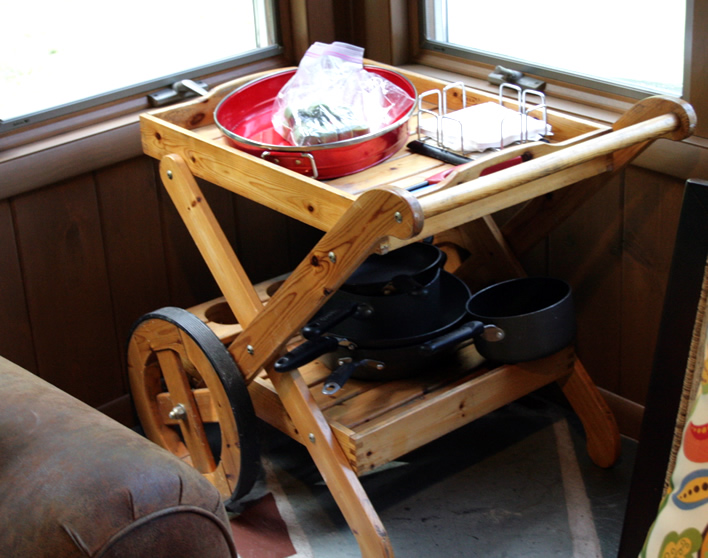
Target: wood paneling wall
{"type": "Point", "coordinates": [84, 258]}
{"type": "Point", "coordinates": [615, 251]}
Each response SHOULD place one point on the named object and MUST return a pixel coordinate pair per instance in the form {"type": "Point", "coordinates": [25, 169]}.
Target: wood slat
{"type": "Point", "coordinates": [16, 339]}
{"type": "Point", "coordinates": [293, 194]}
{"type": "Point", "coordinates": [433, 414]}
{"type": "Point", "coordinates": [132, 236]}
{"type": "Point", "coordinates": [369, 405]}
{"type": "Point", "coordinates": [652, 206]}
{"type": "Point", "coordinates": [404, 169]}
{"type": "Point", "coordinates": [68, 293]}
{"type": "Point", "coordinates": [190, 281]}
{"type": "Point", "coordinates": [191, 426]}
{"type": "Point", "coordinates": [585, 250]}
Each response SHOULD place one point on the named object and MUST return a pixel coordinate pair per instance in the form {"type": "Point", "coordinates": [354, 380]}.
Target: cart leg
{"type": "Point", "coordinates": [329, 458]}
{"type": "Point", "coordinates": [491, 259]}
{"type": "Point", "coordinates": [601, 432]}
{"type": "Point", "coordinates": [306, 415]}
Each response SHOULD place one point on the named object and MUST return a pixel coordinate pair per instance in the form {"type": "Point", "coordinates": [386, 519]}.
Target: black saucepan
{"type": "Point", "coordinates": [536, 315]}
{"type": "Point", "coordinates": [389, 297]}
{"type": "Point", "coordinates": [383, 320]}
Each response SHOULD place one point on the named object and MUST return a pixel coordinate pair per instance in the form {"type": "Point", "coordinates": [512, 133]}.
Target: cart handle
{"type": "Point", "coordinates": [461, 190]}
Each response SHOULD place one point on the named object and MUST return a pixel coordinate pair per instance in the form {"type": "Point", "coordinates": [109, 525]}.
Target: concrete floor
{"type": "Point", "coordinates": [515, 483]}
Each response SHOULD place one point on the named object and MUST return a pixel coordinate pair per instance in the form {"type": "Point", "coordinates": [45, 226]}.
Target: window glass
{"type": "Point", "coordinates": [55, 53]}
{"type": "Point", "coordinates": [631, 43]}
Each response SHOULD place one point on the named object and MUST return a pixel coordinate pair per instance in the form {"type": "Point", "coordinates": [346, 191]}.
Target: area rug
{"type": "Point", "coordinates": [516, 482]}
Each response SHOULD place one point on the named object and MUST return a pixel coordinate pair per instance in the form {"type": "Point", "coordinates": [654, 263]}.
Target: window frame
{"type": "Point", "coordinates": [55, 149]}
{"type": "Point", "coordinates": [602, 86]}
{"type": "Point", "coordinates": [139, 89]}
{"type": "Point", "coordinates": [24, 129]}
{"type": "Point", "coordinates": [566, 87]}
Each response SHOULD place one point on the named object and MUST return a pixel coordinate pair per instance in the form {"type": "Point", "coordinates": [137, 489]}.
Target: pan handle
{"type": "Point", "coordinates": [332, 317]}
{"type": "Point", "coordinates": [306, 352]}
{"type": "Point", "coordinates": [295, 159]}
{"type": "Point", "coordinates": [339, 377]}
{"type": "Point", "coordinates": [417, 146]}
{"type": "Point", "coordinates": [465, 332]}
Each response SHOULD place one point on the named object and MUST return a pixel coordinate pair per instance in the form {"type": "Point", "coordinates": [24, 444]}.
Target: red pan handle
{"type": "Point", "coordinates": [503, 165]}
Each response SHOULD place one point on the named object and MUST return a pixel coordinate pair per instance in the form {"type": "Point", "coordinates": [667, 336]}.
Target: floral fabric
{"type": "Point", "coordinates": [681, 527]}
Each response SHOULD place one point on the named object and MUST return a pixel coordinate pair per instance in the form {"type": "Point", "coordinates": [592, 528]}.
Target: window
{"type": "Point", "coordinates": [59, 57]}
{"type": "Point", "coordinates": [620, 46]}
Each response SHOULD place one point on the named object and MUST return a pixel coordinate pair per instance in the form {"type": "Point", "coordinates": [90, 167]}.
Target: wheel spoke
{"type": "Point", "coordinates": [190, 422]}
{"type": "Point", "coordinates": [205, 404]}
{"type": "Point", "coordinates": [145, 384]}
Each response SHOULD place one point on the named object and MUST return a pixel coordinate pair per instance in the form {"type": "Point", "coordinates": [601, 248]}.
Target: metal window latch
{"type": "Point", "coordinates": [180, 90]}
{"type": "Point", "coordinates": [504, 75]}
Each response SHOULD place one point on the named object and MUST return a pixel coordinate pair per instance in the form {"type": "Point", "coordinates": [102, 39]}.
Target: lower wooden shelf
{"type": "Point", "coordinates": [376, 422]}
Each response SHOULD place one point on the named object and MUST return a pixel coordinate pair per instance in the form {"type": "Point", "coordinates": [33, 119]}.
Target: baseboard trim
{"type": "Point", "coordinates": [628, 414]}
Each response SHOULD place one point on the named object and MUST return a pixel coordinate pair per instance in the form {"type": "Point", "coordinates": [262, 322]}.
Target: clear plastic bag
{"type": "Point", "coordinates": [333, 98]}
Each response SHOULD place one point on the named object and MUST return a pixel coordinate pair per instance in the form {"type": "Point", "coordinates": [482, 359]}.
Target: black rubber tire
{"type": "Point", "coordinates": [234, 386]}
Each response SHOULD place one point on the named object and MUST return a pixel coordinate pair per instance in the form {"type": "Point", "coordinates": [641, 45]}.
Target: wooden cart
{"type": "Point", "coordinates": [184, 377]}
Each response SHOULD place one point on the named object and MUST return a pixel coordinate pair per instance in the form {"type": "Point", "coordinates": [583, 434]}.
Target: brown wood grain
{"type": "Point", "coordinates": [16, 340]}
{"type": "Point", "coordinates": [60, 244]}
{"type": "Point", "coordinates": [132, 237]}
{"type": "Point", "coordinates": [652, 206]}
{"type": "Point", "coordinates": [585, 250]}
{"type": "Point", "coordinates": [189, 279]}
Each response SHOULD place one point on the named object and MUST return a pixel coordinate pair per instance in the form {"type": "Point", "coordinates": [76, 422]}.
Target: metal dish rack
{"type": "Point", "coordinates": [440, 114]}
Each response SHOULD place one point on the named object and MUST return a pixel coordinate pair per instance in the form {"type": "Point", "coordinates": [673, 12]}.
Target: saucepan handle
{"type": "Point", "coordinates": [306, 352]}
{"type": "Point", "coordinates": [330, 318]}
{"type": "Point", "coordinates": [465, 332]}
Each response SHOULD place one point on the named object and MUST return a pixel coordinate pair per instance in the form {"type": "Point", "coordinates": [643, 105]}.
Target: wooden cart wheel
{"type": "Point", "coordinates": [192, 400]}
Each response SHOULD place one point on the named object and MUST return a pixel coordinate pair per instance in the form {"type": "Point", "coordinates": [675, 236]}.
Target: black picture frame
{"type": "Point", "coordinates": [683, 292]}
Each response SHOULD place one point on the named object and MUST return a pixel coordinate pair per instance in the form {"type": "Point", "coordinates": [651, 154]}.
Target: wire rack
{"type": "Point", "coordinates": [447, 131]}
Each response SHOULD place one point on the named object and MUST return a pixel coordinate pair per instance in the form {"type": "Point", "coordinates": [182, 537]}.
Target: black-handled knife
{"type": "Point", "coordinates": [422, 148]}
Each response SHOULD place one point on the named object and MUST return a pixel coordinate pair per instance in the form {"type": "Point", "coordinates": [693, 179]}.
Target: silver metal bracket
{"type": "Point", "coordinates": [502, 75]}
{"type": "Point", "coordinates": [180, 90]}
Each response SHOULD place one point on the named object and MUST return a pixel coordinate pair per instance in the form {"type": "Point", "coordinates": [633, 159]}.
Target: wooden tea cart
{"type": "Point", "coordinates": [186, 375]}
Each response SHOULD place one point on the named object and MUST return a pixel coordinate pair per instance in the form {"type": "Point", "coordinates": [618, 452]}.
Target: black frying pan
{"type": "Point", "coordinates": [401, 271]}
{"type": "Point", "coordinates": [514, 321]}
{"type": "Point", "coordinates": [329, 330]}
